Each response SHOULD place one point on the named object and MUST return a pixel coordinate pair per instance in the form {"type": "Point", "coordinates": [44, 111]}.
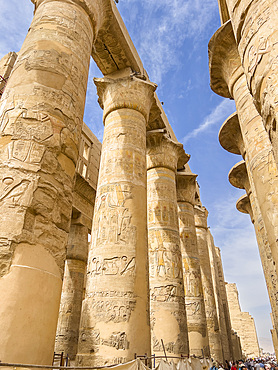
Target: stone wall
{"type": "Point", "coordinates": [243, 324]}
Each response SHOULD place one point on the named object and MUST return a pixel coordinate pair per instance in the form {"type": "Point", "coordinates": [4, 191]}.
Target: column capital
{"type": "Point", "coordinates": [230, 136]}
{"type": "Point", "coordinates": [201, 215]}
{"type": "Point", "coordinates": [186, 187]}
{"type": "Point", "coordinates": [238, 176]}
{"type": "Point", "coordinates": [128, 92]}
{"type": "Point", "coordinates": [224, 61]}
{"type": "Point", "coordinates": [243, 205]}
{"type": "Point", "coordinates": [164, 152]}
{"type": "Point", "coordinates": [95, 9]}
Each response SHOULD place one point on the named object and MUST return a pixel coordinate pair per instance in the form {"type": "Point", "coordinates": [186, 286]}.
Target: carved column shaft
{"type": "Point", "coordinates": [255, 26]}
{"type": "Point", "coordinates": [193, 290]}
{"type": "Point", "coordinates": [168, 315]}
{"type": "Point", "coordinates": [240, 177]}
{"type": "Point", "coordinates": [263, 179]}
{"type": "Point", "coordinates": [218, 299]}
{"type": "Point", "coordinates": [115, 313]}
{"type": "Point", "coordinates": [224, 302]}
{"type": "Point", "coordinates": [228, 79]}
{"type": "Point", "coordinates": [41, 114]}
{"type": "Point", "coordinates": [269, 269]}
{"type": "Point", "coordinates": [210, 305]}
{"type": "Point", "coordinates": [72, 291]}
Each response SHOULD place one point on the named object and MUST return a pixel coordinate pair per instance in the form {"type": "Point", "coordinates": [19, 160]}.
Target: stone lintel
{"type": "Point", "coordinates": [201, 216]}
{"type": "Point", "coordinates": [81, 219]}
{"type": "Point", "coordinates": [186, 187]}
{"type": "Point", "coordinates": [238, 176]}
{"type": "Point", "coordinates": [164, 152]}
{"type": "Point", "coordinates": [224, 61]}
{"type": "Point", "coordinates": [230, 136]}
{"type": "Point", "coordinates": [130, 92]}
{"type": "Point", "coordinates": [114, 49]}
{"type": "Point", "coordinates": [243, 205]}
{"type": "Point", "coordinates": [83, 188]}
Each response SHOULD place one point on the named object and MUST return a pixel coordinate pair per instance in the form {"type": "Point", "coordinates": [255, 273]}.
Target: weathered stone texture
{"type": "Point", "coordinates": [246, 135]}
{"type": "Point", "coordinates": [224, 301]}
{"type": "Point", "coordinates": [255, 27]}
{"type": "Point", "coordinates": [115, 312]}
{"type": "Point", "coordinates": [249, 204]}
{"type": "Point", "coordinates": [6, 66]}
{"type": "Point", "coordinates": [274, 337]}
{"type": "Point", "coordinates": [41, 115]}
{"type": "Point", "coordinates": [215, 344]}
{"type": "Point", "coordinates": [167, 306]}
{"type": "Point", "coordinates": [72, 290]}
{"type": "Point", "coordinates": [237, 350]}
{"type": "Point", "coordinates": [218, 299]}
{"type": "Point", "coordinates": [193, 290]}
{"type": "Point", "coordinates": [243, 324]}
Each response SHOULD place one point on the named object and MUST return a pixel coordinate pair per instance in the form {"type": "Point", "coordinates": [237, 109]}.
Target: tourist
{"type": "Point", "coordinates": [233, 367]}
{"type": "Point", "coordinates": [214, 367]}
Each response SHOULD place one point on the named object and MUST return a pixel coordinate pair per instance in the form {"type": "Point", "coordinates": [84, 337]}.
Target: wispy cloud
{"type": "Point", "coordinates": [15, 21]}
{"type": "Point", "coordinates": [218, 115]}
{"type": "Point", "coordinates": [164, 27]}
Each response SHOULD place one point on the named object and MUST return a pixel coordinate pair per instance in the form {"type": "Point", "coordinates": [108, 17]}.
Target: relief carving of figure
{"type": "Point", "coordinates": [113, 215]}
{"type": "Point", "coordinates": [117, 340]}
{"type": "Point", "coordinates": [15, 191]}
{"type": "Point", "coordinates": [113, 266]}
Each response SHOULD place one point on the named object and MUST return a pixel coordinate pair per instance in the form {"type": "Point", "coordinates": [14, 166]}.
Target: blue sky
{"type": "Point", "coordinates": [171, 38]}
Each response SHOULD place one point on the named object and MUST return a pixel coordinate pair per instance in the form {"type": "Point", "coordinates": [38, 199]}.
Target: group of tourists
{"type": "Point", "coordinates": [259, 363]}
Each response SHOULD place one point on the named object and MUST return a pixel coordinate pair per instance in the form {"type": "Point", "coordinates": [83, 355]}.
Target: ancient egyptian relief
{"type": "Point", "coordinates": [113, 215]}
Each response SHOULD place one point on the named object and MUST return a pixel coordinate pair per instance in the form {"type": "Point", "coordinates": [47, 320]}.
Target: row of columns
{"type": "Point", "coordinates": [178, 277]}
{"type": "Point", "coordinates": [243, 56]}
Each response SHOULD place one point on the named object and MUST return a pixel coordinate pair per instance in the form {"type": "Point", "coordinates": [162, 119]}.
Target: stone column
{"type": "Point", "coordinates": [238, 177]}
{"type": "Point", "coordinates": [41, 114]}
{"type": "Point", "coordinates": [168, 315]}
{"type": "Point", "coordinates": [224, 301]}
{"type": "Point", "coordinates": [115, 312]}
{"type": "Point", "coordinates": [228, 80]}
{"type": "Point", "coordinates": [218, 299]}
{"type": "Point", "coordinates": [193, 290]}
{"type": "Point", "coordinates": [274, 337]}
{"type": "Point", "coordinates": [255, 27]}
{"type": "Point", "coordinates": [231, 139]}
{"type": "Point", "coordinates": [216, 351]}
{"type": "Point", "coordinates": [6, 66]}
{"type": "Point", "coordinates": [72, 290]}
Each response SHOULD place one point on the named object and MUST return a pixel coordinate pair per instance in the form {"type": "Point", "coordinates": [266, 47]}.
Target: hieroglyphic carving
{"type": "Point", "coordinates": [113, 310]}
{"type": "Point", "coordinates": [117, 282]}
{"type": "Point", "coordinates": [256, 53]}
{"type": "Point", "coordinates": [113, 218]}
{"type": "Point", "coordinates": [113, 266]}
{"type": "Point", "coordinates": [164, 255]}
{"type": "Point", "coordinates": [192, 277]}
{"type": "Point", "coordinates": [117, 340]}
{"type": "Point", "coordinates": [166, 275]}
{"type": "Point", "coordinates": [167, 293]}
{"type": "Point", "coordinates": [40, 125]}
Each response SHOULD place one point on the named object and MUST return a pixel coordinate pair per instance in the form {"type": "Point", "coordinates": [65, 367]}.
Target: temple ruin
{"type": "Point", "coordinates": [151, 280]}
